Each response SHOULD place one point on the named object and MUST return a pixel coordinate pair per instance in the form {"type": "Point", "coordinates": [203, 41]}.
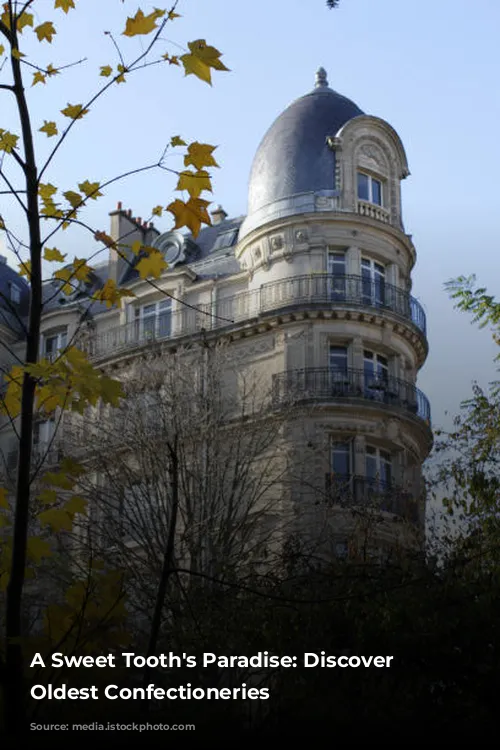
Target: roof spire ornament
{"type": "Point", "coordinates": [321, 79]}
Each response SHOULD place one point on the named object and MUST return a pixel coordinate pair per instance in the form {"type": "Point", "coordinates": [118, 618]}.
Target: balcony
{"type": "Point", "coordinates": [291, 295]}
{"type": "Point", "coordinates": [370, 494]}
{"type": "Point", "coordinates": [373, 211]}
{"type": "Point", "coordinates": [322, 384]}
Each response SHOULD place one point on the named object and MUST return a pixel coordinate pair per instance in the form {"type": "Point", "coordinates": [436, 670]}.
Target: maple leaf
{"type": "Point", "coordinates": [45, 31]}
{"type": "Point", "coordinates": [25, 269]}
{"type": "Point", "coordinates": [38, 77]}
{"type": "Point", "coordinates": [201, 59]}
{"type": "Point", "coordinates": [65, 275]}
{"type": "Point", "coordinates": [51, 71]}
{"type": "Point", "coordinates": [65, 5]}
{"type": "Point", "coordinates": [49, 127]}
{"type": "Point", "coordinates": [2, 49]}
{"type": "Point", "coordinates": [74, 111]}
{"type": "Point", "coordinates": [25, 19]}
{"type": "Point", "coordinates": [141, 24]}
{"type": "Point", "coordinates": [57, 519]}
{"type": "Point", "coordinates": [121, 77]}
{"type": "Point", "coordinates": [2, 222]}
{"type": "Point", "coordinates": [157, 211]}
{"type": "Point", "coordinates": [136, 247]}
{"type": "Point", "coordinates": [46, 190]}
{"type": "Point", "coordinates": [194, 182]}
{"type": "Point", "coordinates": [91, 189]}
{"type": "Point", "coordinates": [200, 155]}
{"type": "Point", "coordinates": [8, 141]}
{"type": "Point", "coordinates": [152, 265]}
{"type": "Point", "coordinates": [104, 238]}
{"type": "Point", "coordinates": [176, 140]}
{"type": "Point", "coordinates": [53, 254]}
{"type": "Point", "coordinates": [81, 270]}
{"type": "Point", "coordinates": [106, 71]}
{"type": "Point", "coordinates": [111, 293]}
{"type": "Point", "coordinates": [38, 548]}
{"type": "Point", "coordinates": [75, 199]}
{"type": "Point", "coordinates": [4, 503]}
{"type": "Point", "coordinates": [16, 53]}
{"type": "Point", "coordinates": [191, 214]}
{"type": "Point", "coordinates": [171, 59]}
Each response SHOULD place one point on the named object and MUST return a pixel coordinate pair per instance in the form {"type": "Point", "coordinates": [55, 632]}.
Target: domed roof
{"type": "Point", "coordinates": [293, 157]}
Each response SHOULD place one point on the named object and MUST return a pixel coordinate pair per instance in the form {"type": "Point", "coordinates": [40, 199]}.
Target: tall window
{"type": "Point", "coordinates": [337, 275]}
{"type": "Point", "coordinates": [154, 320]}
{"type": "Point", "coordinates": [341, 461]}
{"type": "Point", "coordinates": [376, 373]}
{"type": "Point", "coordinates": [43, 433]}
{"type": "Point", "coordinates": [53, 343]}
{"type": "Point", "coordinates": [15, 294]}
{"type": "Point", "coordinates": [378, 467]}
{"type": "Point", "coordinates": [338, 361]}
{"type": "Point", "coordinates": [369, 189]}
{"type": "Point", "coordinates": [373, 282]}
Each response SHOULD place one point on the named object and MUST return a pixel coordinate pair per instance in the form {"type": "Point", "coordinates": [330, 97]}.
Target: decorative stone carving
{"type": "Point", "coordinates": [276, 243]}
{"type": "Point", "coordinates": [324, 203]}
{"type": "Point", "coordinates": [301, 235]}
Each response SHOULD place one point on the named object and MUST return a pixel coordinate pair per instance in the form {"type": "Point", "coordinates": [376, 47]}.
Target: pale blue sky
{"type": "Point", "coordinates": [429, 68]}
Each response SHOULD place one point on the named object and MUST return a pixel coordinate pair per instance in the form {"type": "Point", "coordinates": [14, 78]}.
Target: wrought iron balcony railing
{"type": "Point", "coordinates": [371, 494]}
{"type": "Point", "coordinates": [324, 384]}
{"type": "Point", "coordinates": [297, 293]}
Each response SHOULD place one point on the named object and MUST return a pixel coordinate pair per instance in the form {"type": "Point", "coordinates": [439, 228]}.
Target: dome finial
{"type": "Point", "coordinates": [321, 79]}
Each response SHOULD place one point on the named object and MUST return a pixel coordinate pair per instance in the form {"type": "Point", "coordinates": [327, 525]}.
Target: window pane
{"type": "Point", "coordinates": [340, 459]}
{"type": "Point", "coordinates": [377, 192]}
{"type": "Point", "coordinates": [363, 187]}
{"type": "Point", "coordinates": [338, 358]}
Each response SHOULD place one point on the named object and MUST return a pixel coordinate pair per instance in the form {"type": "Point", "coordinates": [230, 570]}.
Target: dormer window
{"type": "Point", "coordinates": [369, 189]}
{"type": "Point", "coordinates": [15, 294]}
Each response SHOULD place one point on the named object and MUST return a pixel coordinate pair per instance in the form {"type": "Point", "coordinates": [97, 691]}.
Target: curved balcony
{"type": "Point", "coordinates": [294, 294]}
{"type": "Point", "coordinates": [370, 494]}
{"type": "Point", "coordinates": [322, 384]}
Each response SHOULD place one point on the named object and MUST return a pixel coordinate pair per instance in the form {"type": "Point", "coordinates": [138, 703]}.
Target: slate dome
{"type": "Point", "coordinates": [293, 156]}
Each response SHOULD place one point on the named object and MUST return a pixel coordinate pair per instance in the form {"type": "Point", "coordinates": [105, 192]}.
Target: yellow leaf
{"type": "Point", "coordinates": [57, 519]}
{"type": "Point", "coordinates": [25, 269]}
{"type": "Point", "coordinates": [111, 293]}
{"type": "Point", "coordinates": [141, 24]}
{"type": "Point", "coordinates": [8, 141]}
{"type": "Point", "coordinates": [121, 70]}
{"type": "Point", "coordinates": [74, 111]}
{"type": "Point", "coordinates": [65, 275]}
{"type": "Point", "coordinates": [76, 505]}
{"type": "Point", "coordinates": [38, 77]}
{"type": "Point", "coordinates": [81, 270]}
{"type": "Point", "coordinates": [38, 549]}
{"type": "Point", "coordinates": [152, 265]}
{"type": "Point", "coordinates": [136, 247]}
{"type": "Point", "coordinates": [104, 238]}
{"type": "Point", "coordinates": [191, 214]}
{"type": "Point", "coordinates": [50, 128]}
{"type": "Point", "coordinates": [91, 189]}
{"type": "Point", "coordinates": [194, 182]}
{"type": "Point", "coordinates": [75, 199]}
{"type": "Point", "coordinates": [65, 5]}
{"type": "Point", "coordinates": [171, 59]}
{"type": "Point", "coordinates": [4, 503]}
{"type": "Point", "coordinates": [53, 254]}
{"type": "Point", "coordinates": [51, 71]}
{"type": "Point", "coordinates": [25, 19]}
{"type": "Point", "coordinates": [2, 49]}
{"type": "Point", "coordinates": [46, 191]}
{"type": "Point", "coordinates": [16, 53]}
{"type": "Point", "coordinates": [157, 211]}
{"type": "Point", "coordinates": [106, 71]}
{"type": "Point", "coordinates": [176, 140]}
{"type": "Point", "coordinates": [45, 31]}
{"type": "Point", "coordinates": [201, 59]}
{"type": "Point", "coordinates": [200, 155]}
{"type": "Point", "coordinates": [2, 223]}
{"type": "Point", "coordinates": [172, 14]}
{"type": "Point", "coordinates": [47, 497]}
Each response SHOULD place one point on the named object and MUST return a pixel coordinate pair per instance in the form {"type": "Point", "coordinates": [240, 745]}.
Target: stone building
{"type": "Point", "coordinates": [313, 290]}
